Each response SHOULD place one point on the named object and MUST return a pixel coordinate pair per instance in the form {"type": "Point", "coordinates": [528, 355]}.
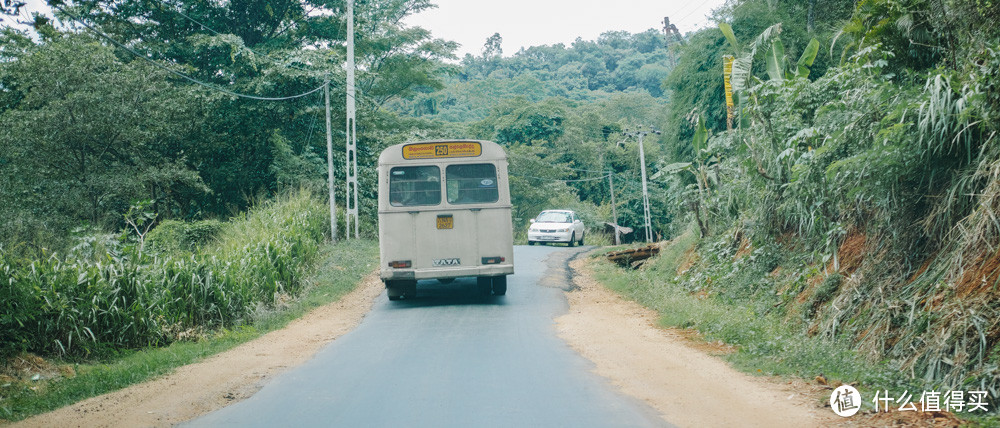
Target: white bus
{"type": "Point", "coordinates": [444, 213]}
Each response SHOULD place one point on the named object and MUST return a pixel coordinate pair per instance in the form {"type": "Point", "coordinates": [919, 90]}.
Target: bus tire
{"type": "Point", "coordinates": [394, 290]}
{"type": "Point", "coordinates": [484, 285]}
{"type": "Point", "coordinates": [499, 285]}
{"type": "Point", "coordinates": [531, 242]}
{"type": "Point", "coordinates": [410, 289]}
{"type": "Point", "coordinates": [572, 239]}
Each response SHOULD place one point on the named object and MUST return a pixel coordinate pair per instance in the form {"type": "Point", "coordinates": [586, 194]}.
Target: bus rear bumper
{"type": "Point", "coordinates": [389, 274]}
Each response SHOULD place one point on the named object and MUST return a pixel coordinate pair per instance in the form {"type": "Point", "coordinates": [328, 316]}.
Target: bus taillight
{"type": "Point", "coordinates": [400, 264]}
{"type": "Point", "coordinates": [493, 260]}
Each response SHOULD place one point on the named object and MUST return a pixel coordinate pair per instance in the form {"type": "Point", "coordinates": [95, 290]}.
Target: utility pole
{"type": "Point", "coordinates": [329, 166]}
{"type": "Point", "coordinates": [670, 36]}
{"type": "Point", "coordinates": [614, 207]}
{"type": "Point", "coordinates": [671, 33]}
{"type": "Point", "coordinates": [640, 134]}
{"type": "Point", "coordinates": [352, 141]}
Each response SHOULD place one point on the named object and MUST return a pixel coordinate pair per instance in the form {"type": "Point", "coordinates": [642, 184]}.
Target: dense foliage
{"type": "Point", "coordinates": [864, 190]}
{"type": "Point", "coordinates": [88, 129]}
{"type": "Point", "coordinates": [108, 294]}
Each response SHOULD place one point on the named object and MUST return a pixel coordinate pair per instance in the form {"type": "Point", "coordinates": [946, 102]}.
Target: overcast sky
{"type": "Point", "coordinates": [524, 23]}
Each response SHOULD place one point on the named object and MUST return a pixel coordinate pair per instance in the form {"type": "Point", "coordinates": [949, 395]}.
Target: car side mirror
{"type": "Point", "coordinates": [531, 221]}
{"type": "Point", "coordinates": [577, 221]}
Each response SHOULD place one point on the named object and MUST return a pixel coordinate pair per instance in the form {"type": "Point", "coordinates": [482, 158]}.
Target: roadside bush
{"type": "Point", "coordinates": [90, 306]}
{"type": "Point", "coordinates": [172, 236]}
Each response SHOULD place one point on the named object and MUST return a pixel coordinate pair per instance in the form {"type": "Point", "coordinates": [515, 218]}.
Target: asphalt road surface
{"type": "Point", "coordinates": [450, 358]}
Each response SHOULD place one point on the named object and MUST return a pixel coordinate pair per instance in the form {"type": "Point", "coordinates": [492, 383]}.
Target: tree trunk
{"type": "Point", "coordinates": [702, 228]}
{"type": "Point", "coordinates": [811, 17]}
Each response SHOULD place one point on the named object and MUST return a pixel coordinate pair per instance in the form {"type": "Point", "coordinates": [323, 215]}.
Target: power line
{"type": "Point", "coordinates": [555, 165]}
{"type": "Point", "coordinates": [206, 27]}
{"type": "Point", "coordinates": [247, 47]}
{"type": "Point", "coordinates": [696, 9]}
{"type": "Point", "coordinates": [630, 177]}
{"type": "Point", "coordinates": [182, 75]}
{"type": "Point", "coordinates": [565, 181]}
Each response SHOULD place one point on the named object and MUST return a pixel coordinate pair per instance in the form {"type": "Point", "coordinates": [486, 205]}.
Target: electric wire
{"type": "Point", "coordinates": [555, 165]}
{"type": "Point", "coordinates": [182, 75]}
{"type": "Point", "coordinates": [212, 30]}
{"type": "Point", "coordinates": [566, 181]}
{"type": "Point", "coordinates": [696, 9]}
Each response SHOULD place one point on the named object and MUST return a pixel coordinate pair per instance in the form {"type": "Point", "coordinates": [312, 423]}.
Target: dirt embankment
{"type": "Point", "coordinates": [216, 382]}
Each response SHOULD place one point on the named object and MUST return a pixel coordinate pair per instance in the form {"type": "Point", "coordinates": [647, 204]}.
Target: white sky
{"type": "Point", "coordinates": [524, 23]}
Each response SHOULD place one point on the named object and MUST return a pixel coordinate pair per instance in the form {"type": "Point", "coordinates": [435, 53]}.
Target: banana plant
{"type": "Point", "coordinates": [698, 168]}
{"type": "Point", "coordinates": [778, 70]}
{"type": "Point", "coordinates": [777, 66]}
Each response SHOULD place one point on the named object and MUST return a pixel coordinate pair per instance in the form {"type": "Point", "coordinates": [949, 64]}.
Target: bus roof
{"type": "Point", "coordinates": [439, 150]}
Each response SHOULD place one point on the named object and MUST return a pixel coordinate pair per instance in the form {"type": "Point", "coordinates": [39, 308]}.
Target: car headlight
{"type": "Point", "coordinates": [565, 229]}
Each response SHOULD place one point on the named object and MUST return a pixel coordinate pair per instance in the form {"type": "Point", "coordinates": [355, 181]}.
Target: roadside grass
{"type": "Point", "coordinates": [749, 299]}
{"type": "Point", "coordinates": [338, 270]}
{"type": "Point", "coordinates": [766, 342]}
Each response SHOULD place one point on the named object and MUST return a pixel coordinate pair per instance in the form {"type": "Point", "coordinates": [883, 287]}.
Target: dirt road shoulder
{"type": "Point", "coordinates": [675, 375]}
{"type": "Point", "coordinates": [221, 380]}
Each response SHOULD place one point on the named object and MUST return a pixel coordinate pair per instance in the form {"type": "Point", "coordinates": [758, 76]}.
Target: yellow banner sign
{"type": "Point", "coordinates": [727, 75]}
{"type": "Point", "coordinates": [727, 62]}
{"type": "Point", "coordinates": [459, 149]}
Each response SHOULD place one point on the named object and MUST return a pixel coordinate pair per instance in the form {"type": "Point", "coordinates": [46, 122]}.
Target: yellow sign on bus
{"type": "Point", "coordinates": [451, 149]}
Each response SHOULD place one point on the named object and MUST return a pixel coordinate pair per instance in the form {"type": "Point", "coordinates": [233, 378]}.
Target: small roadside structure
{"type": "Point", "coordinates": [624, 233]}
{"type": "Point", "coordinates": [635, 257]}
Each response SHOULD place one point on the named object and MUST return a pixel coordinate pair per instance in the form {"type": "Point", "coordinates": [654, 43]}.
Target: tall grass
{"type": "Point", "coordinates": [726, 302]}
{"type": "Point", "coordinates": [339, 269]}
{"type": "Point", "coordinates": [125, 298]}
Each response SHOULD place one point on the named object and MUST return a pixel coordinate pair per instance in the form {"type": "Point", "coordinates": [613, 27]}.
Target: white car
{"type": "Point", "coordinates": [556, 226]}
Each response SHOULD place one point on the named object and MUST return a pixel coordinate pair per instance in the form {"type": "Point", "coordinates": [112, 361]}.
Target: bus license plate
{"type": "Point", "coordinates": [445, 222]}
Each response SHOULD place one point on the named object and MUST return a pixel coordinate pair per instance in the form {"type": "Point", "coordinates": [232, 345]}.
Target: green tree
{"type": "Point", "coordinates": [91, 133]}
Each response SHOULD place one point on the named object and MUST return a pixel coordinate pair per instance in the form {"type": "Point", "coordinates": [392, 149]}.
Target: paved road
{"type": "Point", "coordinates": [450, 358]}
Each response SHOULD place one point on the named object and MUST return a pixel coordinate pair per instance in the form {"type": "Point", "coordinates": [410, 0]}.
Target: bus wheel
{"type": "Point", "coordinates": [394, 290]}
{"type": "Point", "coordinates": [484, 284]}
{"type": "Point", "coordinates": [499, 285]}
{"type": "Point", "coordinates": [572, 239]}
{"type": "Point", "coordinates": [410, 289]}
{"type": "Point", "coordinates": [531, 242]}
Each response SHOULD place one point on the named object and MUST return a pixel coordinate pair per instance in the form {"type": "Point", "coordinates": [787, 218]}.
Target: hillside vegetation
{"type": "Point", "coordinates": [865, 198]}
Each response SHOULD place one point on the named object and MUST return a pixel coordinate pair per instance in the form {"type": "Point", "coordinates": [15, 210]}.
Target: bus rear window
{"type": "Point", "coordinates": [414, 185]}
{"type": "Point", "coordinates": [472, 184]}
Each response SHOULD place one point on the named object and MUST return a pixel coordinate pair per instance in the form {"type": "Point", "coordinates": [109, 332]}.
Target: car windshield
{"type": "Point", "coordinates": [553, 217]}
